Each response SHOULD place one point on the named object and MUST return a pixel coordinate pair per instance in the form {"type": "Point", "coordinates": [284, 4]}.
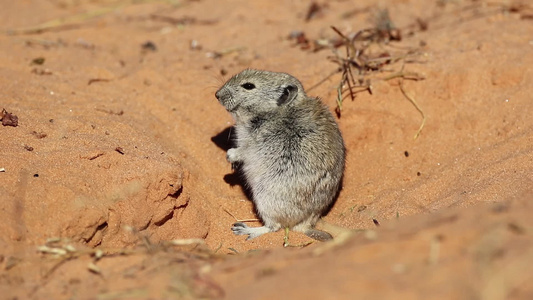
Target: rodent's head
{"type": "Point", "coordinates": [253, 92]}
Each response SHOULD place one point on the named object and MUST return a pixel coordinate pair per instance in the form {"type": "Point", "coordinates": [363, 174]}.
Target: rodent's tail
{"type": "Point", "coordinates": [332, 228]}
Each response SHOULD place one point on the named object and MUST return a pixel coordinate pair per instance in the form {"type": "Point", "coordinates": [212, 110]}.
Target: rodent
{"type": "Point", "coordinates": [290, 148]}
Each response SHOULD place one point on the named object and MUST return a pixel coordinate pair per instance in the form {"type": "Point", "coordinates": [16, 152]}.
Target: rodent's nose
{"type": "Point", "coordinates": [222, 94]}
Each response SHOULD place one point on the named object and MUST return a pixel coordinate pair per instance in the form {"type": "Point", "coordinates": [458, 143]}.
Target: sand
{"type": "Point", "coordinates": [119, 150]}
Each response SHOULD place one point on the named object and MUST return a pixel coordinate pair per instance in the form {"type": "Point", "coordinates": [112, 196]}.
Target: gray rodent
{"type": "Point", "coordinates": [290, 147]}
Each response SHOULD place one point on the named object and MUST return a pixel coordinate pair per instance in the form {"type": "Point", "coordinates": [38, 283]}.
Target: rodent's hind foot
{"type": "Point", "coordinates": [252, 232]}
{"type": "Point", "coordinates": [318, 235]}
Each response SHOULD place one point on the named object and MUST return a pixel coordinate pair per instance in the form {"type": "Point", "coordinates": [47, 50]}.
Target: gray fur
{"type": "Point", "coordinates": [290, 147]}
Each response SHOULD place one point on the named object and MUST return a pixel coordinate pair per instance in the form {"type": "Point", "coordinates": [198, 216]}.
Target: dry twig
{"type": "Point", "coordinates": [359, 65]}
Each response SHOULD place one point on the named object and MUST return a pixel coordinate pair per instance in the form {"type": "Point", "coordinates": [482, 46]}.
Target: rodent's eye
{"type": "Point", "coordinates": [248, 86]}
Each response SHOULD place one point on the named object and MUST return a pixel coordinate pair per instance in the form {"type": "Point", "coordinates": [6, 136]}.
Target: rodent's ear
{"type": "Point", "coordinates": [289, 93]}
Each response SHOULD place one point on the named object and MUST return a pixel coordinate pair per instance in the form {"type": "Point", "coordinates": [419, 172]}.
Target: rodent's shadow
{"type": "Point", "coordinates": [224, 140]}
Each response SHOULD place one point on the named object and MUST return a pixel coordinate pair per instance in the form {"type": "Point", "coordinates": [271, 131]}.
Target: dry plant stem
{"type": "Point", "coordinates": [146, 243]}
{"type": "Point", "coordinates": [66, 22]}
{"type": "Point", "coordinates": [56, 266]}
{"type": "Point", "coordinates": [325, 79]}
{"type": "Point", "coordinates": [286, 242]}
{"type": "Point", "coordinates": [362, 88]}
{"type": "Point", "coordinates": [351, 83]}
{"type": "Point", "coordinates": [185, 242]}
{"type": "Point", "coordinates": [240, 220]}
{"type": "Point", "coordinates": [78, 253]}
{"type": "Point", "coordinates": [340, 33]}
{"type": "Point", "coordinates": [353, 59]}
{"type": "Point", "coordinates": [413, 101]}
{"type": "Point", "coordinates": [405, 75]}
{"type": "Point", "coordinates": [392, 59]}
{"type": "Point", "coordinates": [73, 20]}
{"type": "Point", "coordinates": [346, 69]}
{"type": "Point", "coordinates": [339, 99]}
{"type": "Point", "coordinates": [231, 50]}
{"type": "Point", "coordinates": [64, 254]}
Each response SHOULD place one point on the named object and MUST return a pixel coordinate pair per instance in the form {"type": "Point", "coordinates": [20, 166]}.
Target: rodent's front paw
{"type": "Point", "coordinates": [233, 155]}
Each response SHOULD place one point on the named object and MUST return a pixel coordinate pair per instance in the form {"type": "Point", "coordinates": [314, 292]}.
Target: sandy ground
{"type": "Point", "coordinates": [118, 156]}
